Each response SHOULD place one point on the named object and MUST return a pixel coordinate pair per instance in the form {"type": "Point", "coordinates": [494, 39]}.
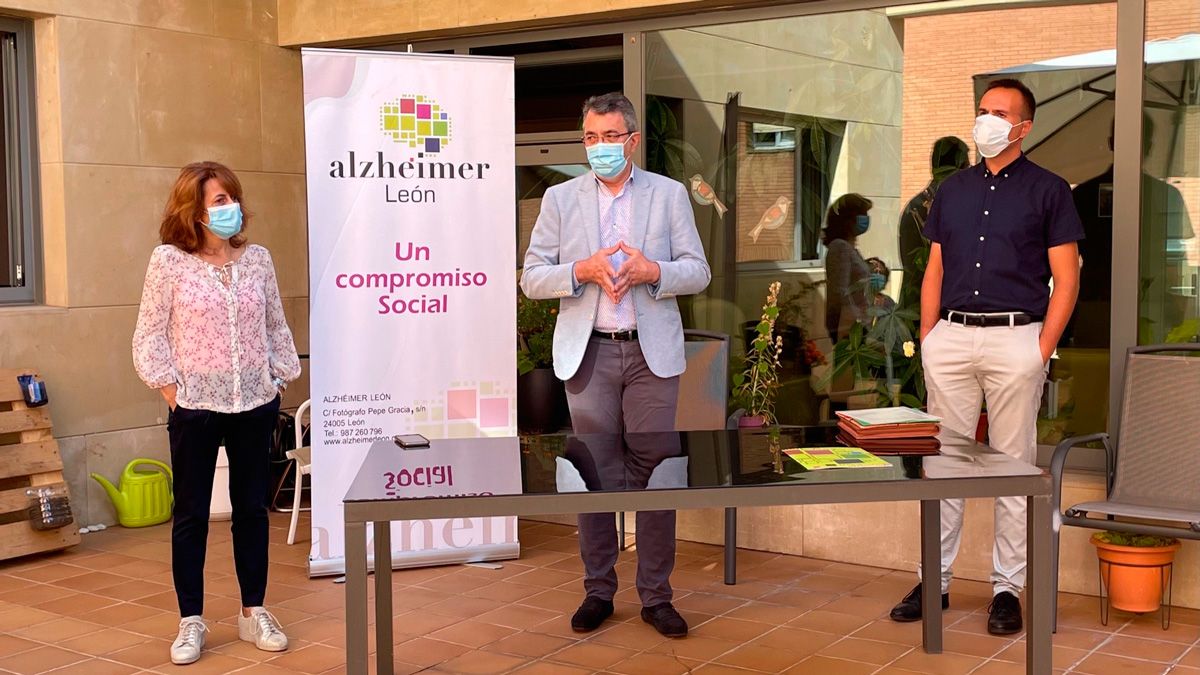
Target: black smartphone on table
{"type": "Point", "coordinates": [407, 441]}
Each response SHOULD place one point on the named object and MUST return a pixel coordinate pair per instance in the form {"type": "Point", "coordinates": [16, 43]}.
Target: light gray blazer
{"type": "Point", "coordinates": [568, 230]}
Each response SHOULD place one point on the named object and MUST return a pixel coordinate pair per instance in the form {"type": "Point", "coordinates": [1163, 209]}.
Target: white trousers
{"type": "Point", "coordinates": [964, 365]}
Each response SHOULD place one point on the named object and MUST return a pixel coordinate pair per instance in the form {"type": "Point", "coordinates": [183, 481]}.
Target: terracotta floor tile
{"type": "Point", "coordinates": [544, 577]}
{"type": "Point", "coordinates": [49, 572]}
{"type": "Point", "coordinates": [761, 612]}
{"type": "Point", "coordinates": [119, 614]}
{"type": "Point", "coordinates": [473, 634]}
{"type": "Point", "coordinates": [735, 630]}
{"type": "Point", "coordinates": [587, 655]}
{"type": "Point", "coordinates": [1191, 658]}
{"type": "Point", "coordinates": [35, 594]}
{"type": "Point", "coordinates": [860, 605]}
{"type": "Point", "coordinates": [830, 622]}
{"type": "Point", "coordinates": [709, 603]}
{"type": "Point", "coordinates": [425, 652]}
{"type": "Point", "coordinates": [800, 598]}
{"type": "Point", "coordinates": [760, 657]}
{"type": "Point", "coordinates": [102, 642]}
{"type": "Point", "coordinates": [1000, 668]}
{"type": "Point", "coordinates": [481, 663]}
{"type": "Point", "coordinates": [799, 640]}
{"type": "Point", "coordinates": [828, 583]}
{"type": "Point", "coordinates": [76, 604]}
{"type": "Point", "coordinates": [1139, 648]}
{"type": "Point", "coordinates": [528, 645]}
{"type": "Point", "coordinates": [96, 667]}
{"type": "Point", "coordinates": [131, 589]}
{"type": "Point", "coordinates": [502, 591]}
{"type": "Point", "coordinates": [1184, 670]}
{"type": "Point", "coordinates": [650, 663]}
{"type": "Point", "coordinates": [886, 630]}
{"type": "Point", "coordinates": [57, 630]}
{"type": "Point", "coordinates": [90, 581]}
{"type": "Point", "coordinates": [517, 616]}
{"type": "Point", "coordinates": [1107, 664]}
{"type": "Point", "coordinates": [868, 651]}
{"type": "Point", "coordinates": [39, 660]}
{"type": "Point", "coordinates": [938, 664]}
{"type": "Point", "coordinates": [638, 636]}
{"type": "Point", "coordinates": [1064, 657]}
{"type": "Point", "coordinates": [696, 648]}
{"type": "Point", "coordinates": [1149, 626]}
{"type": "Point", "coordinates": [153, 652]}
{"type": "Point", "coordinates": [545, 668]}
{"type": "Point", "coordinates": [463, 607]}
{"type": "Point", "coordinates": [823, 665]}
{"type": "Point", "coordinates": [973, 644]}
{"type": "Point", "coordinates": [554, 599]}
{"type": "Point", "coordinates": [310, 659]}
{"type": "Point", "coordinates": [10, 645]}
{"type": "Point", "coordinates": [718, 669]}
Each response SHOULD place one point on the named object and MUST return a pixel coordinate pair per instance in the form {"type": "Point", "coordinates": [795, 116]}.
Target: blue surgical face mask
{"type": "Point", "coordinates": [225, 221]}
{"type": "Point", "coordinates": [607, 159]}
{"type": "Point", "coordinates": [877, 282]}
{"type": "Point", "coordinates": [862, 223]}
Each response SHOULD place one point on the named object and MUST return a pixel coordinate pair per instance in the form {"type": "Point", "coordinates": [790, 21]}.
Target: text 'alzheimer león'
{"type": "Point", "coordinates": [411, 292]}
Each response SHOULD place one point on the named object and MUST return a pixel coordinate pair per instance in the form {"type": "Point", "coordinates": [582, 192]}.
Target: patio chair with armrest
{"type": "Point", "coordinates": [1152, 472]}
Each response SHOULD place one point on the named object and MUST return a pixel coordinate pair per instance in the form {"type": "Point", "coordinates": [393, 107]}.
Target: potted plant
{"type": "Point", "coordinates": [755, 386]}
{"type": "Point", "coordinates": [541, 397]}
{"type": "Point", "coordinates": [1134, 568]}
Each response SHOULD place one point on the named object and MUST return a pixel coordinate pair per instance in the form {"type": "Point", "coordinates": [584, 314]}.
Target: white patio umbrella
{"type": "Point", "coordinates": [1075, 106]}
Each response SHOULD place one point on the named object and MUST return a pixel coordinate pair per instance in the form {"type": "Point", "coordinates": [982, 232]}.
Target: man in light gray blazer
{"type": "Point", "coordinates": [616, 246]}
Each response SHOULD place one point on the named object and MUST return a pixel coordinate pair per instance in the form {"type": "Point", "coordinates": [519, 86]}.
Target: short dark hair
{"type": "Point", "coordinates": [878, 266]}
{"type": "Point", "coordinates": [842, 215]}
{"type": "Point", "coordinates": [949, 152]}
{"type": "Point", "coordinates": [611, 103]}
{"type": "Point", "coordinates": [1026, 95]}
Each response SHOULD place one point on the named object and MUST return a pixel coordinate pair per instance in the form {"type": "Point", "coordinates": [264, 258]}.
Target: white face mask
{"type": "Point", "coordinates": [991, 135]}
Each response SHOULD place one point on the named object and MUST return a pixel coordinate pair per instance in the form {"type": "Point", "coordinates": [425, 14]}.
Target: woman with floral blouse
{"type": "Point", "coordinates": [211, 337]}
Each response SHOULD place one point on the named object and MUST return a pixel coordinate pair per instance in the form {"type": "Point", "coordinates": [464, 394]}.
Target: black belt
{"type": "Point", "coordinates": [619, 336]}
{"type": "Point", "coordinates": [989, 320]}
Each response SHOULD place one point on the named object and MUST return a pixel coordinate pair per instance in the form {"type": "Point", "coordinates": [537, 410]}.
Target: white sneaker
{"type": "Point", "coordinates": [187, 646]}
{"type": "Point", "coordinates": [262, 629]}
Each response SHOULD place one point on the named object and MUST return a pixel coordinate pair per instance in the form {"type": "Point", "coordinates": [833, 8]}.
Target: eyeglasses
{"type": "Point", "coordinates": [610, 137]}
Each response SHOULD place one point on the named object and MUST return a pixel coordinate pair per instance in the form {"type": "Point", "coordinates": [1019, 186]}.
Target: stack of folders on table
{"type": "Point", "coordinates": [890, 431]}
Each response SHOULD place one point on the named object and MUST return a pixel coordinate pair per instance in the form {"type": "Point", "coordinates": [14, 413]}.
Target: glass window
{"type": "Point", "coordinates": [18, 265]}
{"type": "Point", "coordinates": [769, 123]}
{"type": "Point", "coordinates": [1169, 249]}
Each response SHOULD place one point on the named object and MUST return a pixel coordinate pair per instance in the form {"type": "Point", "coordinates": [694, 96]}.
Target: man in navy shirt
{"type": "Point", "coordinates": [999, 232]}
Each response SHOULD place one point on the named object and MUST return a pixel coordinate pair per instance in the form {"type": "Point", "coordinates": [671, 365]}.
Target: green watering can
{"type": "Point", "coordinates": [144, 497]}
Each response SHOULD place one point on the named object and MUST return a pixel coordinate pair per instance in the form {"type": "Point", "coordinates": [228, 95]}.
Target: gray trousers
{"type": "Point", "coordinates": [613, 392]}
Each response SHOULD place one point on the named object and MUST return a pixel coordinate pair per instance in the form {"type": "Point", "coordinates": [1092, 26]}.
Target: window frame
{"type": "Point", "coordinates": [22, 158]}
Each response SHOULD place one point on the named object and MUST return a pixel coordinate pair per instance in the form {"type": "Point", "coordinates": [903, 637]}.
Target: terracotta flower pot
{"type": "Point", "coordinates": [751, 421]}
{"type": "Point", "coordinates": [1134, 575]}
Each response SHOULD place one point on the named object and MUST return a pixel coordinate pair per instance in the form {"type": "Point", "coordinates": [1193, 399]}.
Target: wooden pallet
{"type": "Point", "coordinates": [28, 458]}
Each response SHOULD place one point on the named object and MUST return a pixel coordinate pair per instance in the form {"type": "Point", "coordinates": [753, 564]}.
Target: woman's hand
{"type": "Point", "coordinates": [168, 392]}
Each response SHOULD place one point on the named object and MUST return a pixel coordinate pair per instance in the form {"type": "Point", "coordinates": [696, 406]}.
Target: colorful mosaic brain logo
{"type": "Point", "coordinates": [416, 121]}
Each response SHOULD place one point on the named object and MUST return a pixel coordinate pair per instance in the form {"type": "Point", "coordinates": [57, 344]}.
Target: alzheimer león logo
{"type": "Point", "coordinates": [416, 121]}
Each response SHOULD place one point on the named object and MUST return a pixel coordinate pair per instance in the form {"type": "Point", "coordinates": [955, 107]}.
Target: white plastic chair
{"type": "Point", "coordinates": [301, 459]}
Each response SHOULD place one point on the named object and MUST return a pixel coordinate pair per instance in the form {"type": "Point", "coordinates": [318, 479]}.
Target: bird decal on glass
{"type": "Point", "coordinates": [773, 217]}
{"type": "Point", "coordinates": [704, 195]}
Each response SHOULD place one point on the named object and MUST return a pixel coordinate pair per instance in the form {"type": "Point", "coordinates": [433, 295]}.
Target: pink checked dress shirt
{"type": "Point", "coordinates": [217, 332]}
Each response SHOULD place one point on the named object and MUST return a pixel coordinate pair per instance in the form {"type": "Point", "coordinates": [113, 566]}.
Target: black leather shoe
{"type": "Point", "coordinates": [591, 614]}
{"type": "Point", "coordinates": [909, 608]}
{"type": "Point", "coordinates": [665, 620]}
{"type": "Point", "coordinates": [1004, 614]}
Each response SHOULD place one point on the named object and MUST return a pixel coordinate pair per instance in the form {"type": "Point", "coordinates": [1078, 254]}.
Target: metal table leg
{"type": "Point", "coordinates": [730, 546]}
{"type": "Point", "coordinates": [383, 597]}
{"type": "Point", "coordinates": [931, 576]}
{"type": "Point", "coordinates": [356, 598]}
{"type": "Point", "coordinates": [1039, 610]}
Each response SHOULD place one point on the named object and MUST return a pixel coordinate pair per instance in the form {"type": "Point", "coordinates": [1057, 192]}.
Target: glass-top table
{"type": "Point", "coordinates": [554, 474]}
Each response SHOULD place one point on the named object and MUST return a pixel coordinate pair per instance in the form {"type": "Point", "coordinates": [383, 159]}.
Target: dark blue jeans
{"type": "Point", "coordinates": [195, 437]}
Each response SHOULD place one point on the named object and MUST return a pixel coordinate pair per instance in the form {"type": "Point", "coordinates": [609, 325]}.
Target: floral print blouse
{"type": "Point", "coordinates": [217, 332]}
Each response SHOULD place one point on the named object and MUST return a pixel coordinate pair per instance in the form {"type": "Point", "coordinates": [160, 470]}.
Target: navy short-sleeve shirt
{"type": "Point", "coordinates": [995, 231]}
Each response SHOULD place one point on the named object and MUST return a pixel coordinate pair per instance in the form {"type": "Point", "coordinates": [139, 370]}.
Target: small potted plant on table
{"type": "Point", "coordinates": [755, 386]}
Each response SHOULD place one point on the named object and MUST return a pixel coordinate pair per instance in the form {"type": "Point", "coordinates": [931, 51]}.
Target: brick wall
{"type": "Point", "coordinates": [942, 52]}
